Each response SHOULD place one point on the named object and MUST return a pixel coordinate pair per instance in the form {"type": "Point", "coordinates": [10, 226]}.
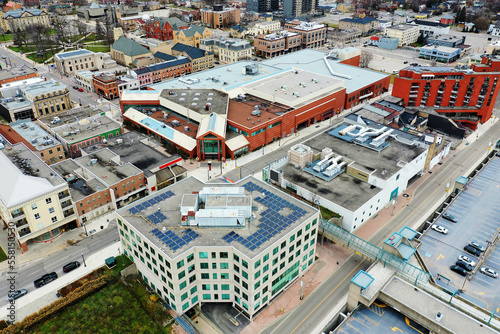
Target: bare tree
{"type": "Point", "coordinates": [61, 24]}
{"type": "Point", "coordinates": [81, 27]}
{"type": "Point", "coordinates": [365, 59]}
{"type": "Point", "coordinates": [20, 34]}
{"type": "Point", "coordinates": [36, 35]}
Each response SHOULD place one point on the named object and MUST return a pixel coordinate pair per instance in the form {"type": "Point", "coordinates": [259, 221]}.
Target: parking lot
{"type": "Point", "coordinates": [478, 218]}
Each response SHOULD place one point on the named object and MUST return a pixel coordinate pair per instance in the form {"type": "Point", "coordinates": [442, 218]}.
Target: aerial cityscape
{"type": "Point", "coordinates": [274, 167]}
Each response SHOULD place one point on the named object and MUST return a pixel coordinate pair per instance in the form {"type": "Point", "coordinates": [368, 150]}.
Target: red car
{"type": "Point", "coordinates": [80, 89]}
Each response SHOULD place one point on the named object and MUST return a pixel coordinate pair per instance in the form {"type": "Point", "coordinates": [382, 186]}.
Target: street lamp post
{"type": "Point", "coordinates": [83, 258]}
{"type": "Point", "coordinates": [85, 228]}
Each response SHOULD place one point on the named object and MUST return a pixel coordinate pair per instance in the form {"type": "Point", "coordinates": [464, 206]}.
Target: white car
{"type": "Point", "coordinates": [466, 259]}
{"type": "Point", "coordinates": [440, 229]}
{"type": "Point", "coordinates": [489, 272]}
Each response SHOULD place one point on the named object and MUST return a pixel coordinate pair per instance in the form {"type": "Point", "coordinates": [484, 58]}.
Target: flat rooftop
{"type": "Point", "coordinates": [222, 78]}
{"type": "Point", "coordinates": [72, 54]}
{"type": "Point", "coordinates": [30, 164]}
{"type": "Point", "coordinates": [86, 128]}
{"type": "Point", "coordinates": [403, 27]}
{"type": "Point", "coordinates": [240, 111]}
{"type": "Point", "coordinates": [79, 186]}
{"type": "Point", "coordinates": [427, 306]}
{"type": "Point", "coordinates": [294, 88]}
{"type": "Point", "coordinates": [197, 100]}
{"type": "Point", "coordinates": [70, 116]}
{"type": "Point", "coordinates": [35, 135]}
{"type": "Point", "coordinates": [383, 164]}
{"type": "Point", "coordinates": [311, 60]}
{"type": "Point", "coordinates": [44, 87]}
{"type": "Point", "coordinates": [16, 72]}
{"type": "Point", "coordinates": [170, 198]}
{"type": "Point", "coordinates": [344, 190]}
{"type": "Point", "coordinates": [139, 150]}
{"type": "Point", "coordinates": [107, 168]}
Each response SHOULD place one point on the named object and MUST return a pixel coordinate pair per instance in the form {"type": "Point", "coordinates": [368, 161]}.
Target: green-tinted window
{"type": "Point", "coordinates": [180, 264]}
{"type": "Point", "coordinates": [225, 286]}
{"type": "Point", "coordinates": [257, 264]}
{"type": "Point", "coordinates": [244, 263]}
{"type": "Point", "coordinates": [203, 255]}
{"type": "Point", "coordinates": [182, 285]}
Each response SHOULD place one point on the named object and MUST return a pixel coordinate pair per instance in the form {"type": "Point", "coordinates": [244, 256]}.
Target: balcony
{"type": "Point", "coordinates": [63, 194]}
{"type": "Point", "coordinates": [454, 91]}
{"type": "Point", "coordinates": [440, 91]}
{"type": "Point", "coordinates": [24, 231]}
{"type": "Point", "coordinates": [17, 213]}
{"type": "Point", "coordinates": [414, 91]}
{"type": "Point", "coordinates": [482, 96]}
{"type": "Point", "coordinates": [65, 204]}
{"type": "Point", "coordinates": [413, 95]}
{"type": "Point", "coordinates": [68, 213]}
{"type": "Point", "coordinates": [21, 222]}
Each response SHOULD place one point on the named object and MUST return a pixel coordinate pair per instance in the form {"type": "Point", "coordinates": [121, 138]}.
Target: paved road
{"type": "Point", "coordinates": [26, 274]}
{"type": "Point", "coordinates": [429, 194]}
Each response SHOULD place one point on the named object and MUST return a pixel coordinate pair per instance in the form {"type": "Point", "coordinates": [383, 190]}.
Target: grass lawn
{"type": "Point", "coordinates": [115, 309]}
{"type": "Point", "coordinates": [90, 38]}
{"type": "Point", "coordinates": [97, 48]}
{"type": "Point", "coordinates": [3, 256]}
{"type": "Point", "coordinates": [18, 48]}
{"type": "Point", "coordinates": [47, 55]}
{"type": "Point", "coordinates": [328, 214]}
{"type": "Point", "coordinates": [8, 38]}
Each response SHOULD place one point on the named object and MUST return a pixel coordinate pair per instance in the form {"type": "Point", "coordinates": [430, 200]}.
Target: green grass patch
{"type": "Point", "coordinates": [41, 60]}
{"type": "Point", "coordinates": [90, 38]}
{"type": "Point", "coordinates": [3, 256]}
{"type": "Point", "coordinates": [122, 262]}
{"type": "Point", "coordinates": [8, 38]}
{"type": "Point", "coordinates": [328, 214]}
{"type": "Point", "coordinates": [118, 308]}
{"type": "Point", "coordinates": [97, 48]}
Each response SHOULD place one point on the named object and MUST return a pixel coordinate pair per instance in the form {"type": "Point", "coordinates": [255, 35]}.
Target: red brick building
{"type": "Point", "coordinates": [313, 35]}
{"type": "Point", "coordinates": [276, 44]}
{"type": "Point", "coordinates": [464, 95]}
{"type": "Point", "coordinates": [163, 28]}
{"type": "Point", "coordinates": [220, 17]}
{"type": "Point", "coordinates": [106, 86]}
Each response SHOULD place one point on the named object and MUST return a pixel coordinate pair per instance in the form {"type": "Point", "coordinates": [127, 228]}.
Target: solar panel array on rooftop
{"type": "Point", "coordinates": [144, 205]}
{"type": "Point", "coordinates": [271, 221]}
{"type": "Point", "coordinates": [157, 217]}
{"type": "Point", "coordinates": [172, 240]}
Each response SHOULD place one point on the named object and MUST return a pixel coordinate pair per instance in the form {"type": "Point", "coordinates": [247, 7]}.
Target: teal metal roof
{"type": "Point", "coordinates": [463, 180]}
{"type": "Point", "coordinates": [129, 47]}
{"type": "Point", "coordinates": [408, 233]}
{"type": "Point", "coordinates": [406, 251]}
{"type": "Point", "coordinates": [394, 239]}
{"type": "Point", "coordinates": [363, 279]}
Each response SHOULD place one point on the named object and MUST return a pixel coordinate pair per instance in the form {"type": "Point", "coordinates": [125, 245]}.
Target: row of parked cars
{"type": "Point", "coordinates": [45, 279]}
{"type": "Point", "coordinates": [465, 264]}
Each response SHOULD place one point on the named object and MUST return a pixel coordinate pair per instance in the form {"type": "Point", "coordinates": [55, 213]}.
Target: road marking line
{"type": "Point", "coordinates": [441, 256]}
{"type": "Point", "coordinates": [408, 323]}
{"type": "Point", "coordinates": [328, 295]}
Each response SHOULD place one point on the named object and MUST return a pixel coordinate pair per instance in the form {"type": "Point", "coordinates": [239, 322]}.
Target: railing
{"type": "Point", "coordinates": [68, 213]}
{"type": "Point", "coordinates": [63, 195]}
{"type": "Point", "coordinates": [18, 214]}
{"type": "Point", "coordinates": [375, 253]}
{"type": "Point", "coordinates": [66, 204]}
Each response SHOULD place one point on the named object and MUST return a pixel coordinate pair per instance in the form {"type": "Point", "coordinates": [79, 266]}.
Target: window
{"type": "Point", "coordinates": [214, 255]}
{"type": "Point", "coordinates": [275, 251]}
{"type": "Point", "coordinates": [206, 296]}
{"type": "Point", "coordinates": [182, 285]}
{"type": "Point", "coordinates": [283, 244]}
{"type": "Point", "coordinates": [214, 265]}
{"type": "Point", "coordinates": [184, 296]}
{"type": "Point", "coordinates": [54, 219]}
{"type": "Point", "coordinates": [205, 287]}
{"type": "Point", "coordinates": [192, 279]}
{"type": "Point", "coordinates": [214, 275]}
{"type": "Point", "coordinates": [224, 265]}
{"type": "Point", "coordinates": [257, 264]}
{"type": "Point", "coordinates": [180, 264]}
{"type": "Point", "coordinates": [236, 258]}
{"type": "Point", "coordinates": [48, 200]}
{"type": "Point", "coordinates": [203, 265]}
{"type": "Point", "coordinates": [205, 276]}
{"type": "Point", "coordinates": [37, 216]}
{"type": "Point", "coordinates": [223, 255]}
{"type": "Point", "coordinates": [244, 263]}
{"type": "Point", "coordinates": [244, 274]}
{"type": "Point", "coordinates": [203, 255]}
{"type": "Point", "coordinates": [34, 206]}
{"type": "Point", "coordinates": [266, 257]}
{"type": "Point", "coordinates": [182, 274]}
{"type": "Point", "coordinates": [224, 276]}
{"type": "Point", "coordinates": [292, 238]}
{"type": "Point", "coordinates": [190, 258]}
{"type": "Point", "coordinates": [225, 286]}
{"type": "Point", "coordinates": [193, 289]}
{"type": "Point", "coordinates": [51, 210]}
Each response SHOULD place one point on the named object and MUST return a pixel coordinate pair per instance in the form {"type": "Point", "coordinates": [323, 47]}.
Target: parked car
{"type": "Point", "coordinates": [413, 64]}
{"type": "Point", "coordinates": [466, 259]}
{"type": "Point", "coordinates": [489, 272]}
{"type": "Point", "coordinates": [472, 250]}
{"type": "Point", "coordinates": [45, 279]}
{"type": "Point", "coordinates": [477, 246]}
{"type": "Point", "coordinates": [458, 270]}
{"type": "Point", "coordinates": [80, 89]}
{"type": "Point", "coordinates": [464, 265]}
{"type": "Point", "coordinates": [16, 294]}
{"type": "Point", "coordinates": [75, 87]}
{"type": "Point", "coordinates": [71, 266]}
{"type": "Point", "coordinates": [406, 62]}
{"type": "Point", "coordinates": [449, 217]}
{"type": "Point", "coordinates": [440, 229]}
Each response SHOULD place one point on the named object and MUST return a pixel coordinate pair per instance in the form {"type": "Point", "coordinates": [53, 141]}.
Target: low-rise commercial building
{"type": "Point", "coordinates": [312, 34]}
{"type": "Point", "coordinates": [405, 33]}
{"type": "Point", "coordinates": [266, 27]}
{"type": "Point", "coordinates": [105, 85]}
{"type": "Point", "coordinates": [48, 97]}
{"type": "Point", "coordinates": [16, 74]}
{"type": "Point", "coordinates": [72, 61]}
{"type": "Point", "coordinates": [162, 71]}
{"type": "Point", "coordinates": [277, 44]}
{"type": "Point", "coordinates": [197, 222]}
{"type": "Point", "coordinates": [450, 41]}
{"type": "Point", "coordinates": [442, 54]}
{"type": "Point", "coordinates": [200, 59]}
{"type": "Point", "coordinates": [22, 18]}
{"type": "Point", "coordinates": [431, 28]}
{"type": "Point", "coordinates": [34, 201]}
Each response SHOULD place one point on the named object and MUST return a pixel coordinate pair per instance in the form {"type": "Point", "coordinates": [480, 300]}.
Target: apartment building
{"type": "Point", "coordinates": [163, 71]}
{"type": "Point", "coordinates": [406, 33]}
{"type": "Point", "coordinates": [263, 6]}
{"type": "Point", "coordinates": [192, 36]}
{"type": "Point", "coordinates": [35, 202]}
{"type": "Point", "coordinates": [228, 50]}
{"type": "Point", "coordinates": [464, 94]}
{"type": "Point", "coordinates": [105, 85]}
{"type": "Point", "coordinates": [312, 34]}
{"type": "Point", "coordinates": [263, 28]}
{"type": "Point", "coordinates": [442, 54]}
{"type": "Point", "coordinates": [365, 24]}
{"type": "Point", "coordinates": [48, 97]}
{"type": "Point", "coordinates": [219, 17]}
{"type": "Point", "coordinates": [213, 247]}
{"type": "Point", "coordinates": [276, 44]}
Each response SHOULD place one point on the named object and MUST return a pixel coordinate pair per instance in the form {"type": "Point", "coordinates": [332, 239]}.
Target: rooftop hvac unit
{"type": "Point", "coordinates": [175, 123]}
{"type": "Point", "coordinates": [187, 129]}
{"type": "Point", "coordinates": [296, 94]}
